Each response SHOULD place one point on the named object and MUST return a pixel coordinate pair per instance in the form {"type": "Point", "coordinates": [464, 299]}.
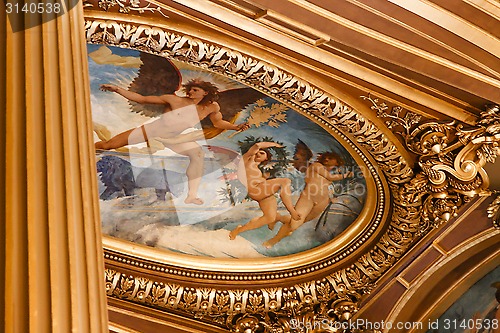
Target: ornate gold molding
{"type": "Point", "coordinates": [128, 6]}
{"type": "Point", "coordinates": [493, 211]}
{"type": "Point", "coordinates": [396, 118]}
{"type": "Point", "coordinates": [245, 311]}
{"type": "Point", "coordinates": [451, 158]}
{"type": "Point", "coordinates": [266, 309]}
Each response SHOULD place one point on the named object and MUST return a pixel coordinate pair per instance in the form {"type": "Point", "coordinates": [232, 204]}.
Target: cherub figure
{"type": "Point", "coordinates": [155, 86]}
{"type": "Point", "coordinates": [315, 197]}
{"type": "Point", "coordinates": [186, 112]}
{"type": "Point", "coordinates": [261, 189]}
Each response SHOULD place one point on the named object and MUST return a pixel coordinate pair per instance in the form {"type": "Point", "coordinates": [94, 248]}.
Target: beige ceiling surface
{"type": "Point", "coordinates": [442, 54]}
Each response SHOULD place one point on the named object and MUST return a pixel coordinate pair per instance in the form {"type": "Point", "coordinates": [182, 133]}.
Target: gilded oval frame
{"type": "Point", "coordinates": [139, 272]}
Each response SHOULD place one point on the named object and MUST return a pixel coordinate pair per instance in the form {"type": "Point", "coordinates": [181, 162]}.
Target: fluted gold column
{"type": "Point", "coordinates": [52, 261]}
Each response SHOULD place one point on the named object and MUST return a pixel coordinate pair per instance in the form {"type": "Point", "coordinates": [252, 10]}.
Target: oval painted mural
{"type": "Point", "coordinates": [193, 162]}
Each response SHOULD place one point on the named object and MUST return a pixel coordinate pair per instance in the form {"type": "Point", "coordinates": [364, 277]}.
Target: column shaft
{"type": "Point", "coordinates": [52, 262]}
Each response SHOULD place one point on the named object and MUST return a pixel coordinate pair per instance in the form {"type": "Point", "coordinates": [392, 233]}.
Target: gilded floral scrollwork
{"type": "Point", "coordinates": [285, 310]}
{"type": "Point", "coordinates": [393, 117]}
{"type": "Point", "coordinates": [127, 6]}
{"type": "Point", "coordinates": [493, 211]}
{"type": "Point", "coordinates": [451, 161]}
{"type": "Point", "coordinates": [301, 317]}
{"type": "Point", "coordinates": [295, 317]}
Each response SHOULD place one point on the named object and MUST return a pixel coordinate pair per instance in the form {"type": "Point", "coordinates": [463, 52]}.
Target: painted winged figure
{"type": "Point", "coordinates": [313, 201]}
{"type": "Point", "coordinates": [152, 94]}
{"type": "Point", "coordinates": [315, 196]}
{"type": "Point", "coordinates": [302, 156]}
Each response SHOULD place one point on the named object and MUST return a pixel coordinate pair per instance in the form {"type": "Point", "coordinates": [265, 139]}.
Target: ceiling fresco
{"type": "Point", "coordinates": [477, 310]}
{"type": "Point", "coordinates": [143, 189]}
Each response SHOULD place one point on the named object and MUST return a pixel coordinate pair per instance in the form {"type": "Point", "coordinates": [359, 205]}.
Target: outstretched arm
{"type": "Point", "coordinates": [260, 145]}
{"type": "Point", "coordinates": [135, 97]}
{"type": "Point", "coordinates": [219, 122]}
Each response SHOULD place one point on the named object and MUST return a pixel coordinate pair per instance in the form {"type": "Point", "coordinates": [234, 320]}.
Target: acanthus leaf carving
{"type": "Point", "coordinates": [493, 210]}
{"type": "Point", "coordinates": [130, 6]}
{"type": "Point", "coordinates": [451, 158]}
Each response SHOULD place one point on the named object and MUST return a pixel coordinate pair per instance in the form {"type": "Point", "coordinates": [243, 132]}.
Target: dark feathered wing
{"type": "Point", "coordinates": [301, 156]}
{"type": "Point", "coordinates": [231, 103]}
{"type": "Point", "coordinates": [157, 76]}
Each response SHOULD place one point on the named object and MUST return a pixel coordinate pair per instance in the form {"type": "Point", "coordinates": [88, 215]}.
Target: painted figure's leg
{"type": "Point", "coordinates": [284, 231]}
{"type": "Point", "coordinates": [118, 140]}
{"type": "Point", "coordinates": [132, 136]}
{"type": "Point", "coordinates": [269, 207]}
{"type": "Point", "coordinates": [194, 171]}
{"type": "Point", "coordinates": [283, 185]}
{"type": "Point", "coordinates": [279, 218]}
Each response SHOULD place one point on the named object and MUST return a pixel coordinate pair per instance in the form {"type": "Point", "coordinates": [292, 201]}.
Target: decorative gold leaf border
{"type": "Point", "coordinates": [218, 304]}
